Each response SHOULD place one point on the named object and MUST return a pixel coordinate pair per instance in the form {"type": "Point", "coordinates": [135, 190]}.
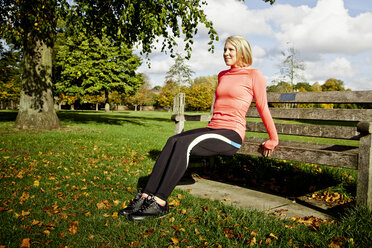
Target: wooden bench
{"type": "Point", "coordinates": [336, 123]}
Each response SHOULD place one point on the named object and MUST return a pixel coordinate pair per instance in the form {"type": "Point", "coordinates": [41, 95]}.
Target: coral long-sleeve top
{"type": "Point", "coordinates": [235, 91]}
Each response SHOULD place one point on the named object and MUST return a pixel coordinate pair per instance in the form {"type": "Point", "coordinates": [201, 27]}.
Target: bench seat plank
{"type": "Point", "coordinates": [300, 154]}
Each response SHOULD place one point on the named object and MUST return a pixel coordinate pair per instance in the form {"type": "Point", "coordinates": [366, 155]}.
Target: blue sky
{"type": "Point", "coordinates": [332, 37]}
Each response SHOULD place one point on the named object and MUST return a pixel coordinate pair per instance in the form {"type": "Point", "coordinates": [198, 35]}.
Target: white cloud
{"type": "Point", "coordinates": [369, 60]}
{"type": "Point", "coordinates": [360, 84]}
{"type": "Point", "coordinates": [328, 28]}
{"type": "Point", "coordinates": [339, 68]}
{"type": "Point", "coordinates": [231, 17]}
{"type": "Point", "coordinates": [327, 37]}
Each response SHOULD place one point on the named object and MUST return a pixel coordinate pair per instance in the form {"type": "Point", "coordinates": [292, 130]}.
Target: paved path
{"type": "Point", "coordinates": [247, 198]}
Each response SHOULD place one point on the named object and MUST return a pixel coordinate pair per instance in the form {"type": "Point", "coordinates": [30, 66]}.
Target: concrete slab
{"type": "Point", "coordinates": [248, 198]}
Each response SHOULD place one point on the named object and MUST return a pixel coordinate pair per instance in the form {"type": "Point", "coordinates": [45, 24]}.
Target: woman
{"type": "Point", "coordinates": [222, 136]}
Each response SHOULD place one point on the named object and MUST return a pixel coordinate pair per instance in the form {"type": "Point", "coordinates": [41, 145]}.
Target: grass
{"type": "Point", "coordinates": [63, 188]}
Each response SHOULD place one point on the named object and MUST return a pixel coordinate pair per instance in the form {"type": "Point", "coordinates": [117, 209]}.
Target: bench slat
{"type": "Point", "coordinates": [364, 97]}
{"type": "Point", "coordinates": [317, 114]}
{"type": "Point", "coordinates": [323, 157]}
{"type": "Point", "coordinates": [337, 132]}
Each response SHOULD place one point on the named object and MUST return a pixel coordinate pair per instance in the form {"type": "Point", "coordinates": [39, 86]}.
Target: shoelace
{"type": "Point", "coordinates": [148, 202]}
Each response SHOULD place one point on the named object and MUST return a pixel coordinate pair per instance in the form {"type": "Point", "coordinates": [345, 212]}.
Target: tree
{"type": "Point", "coordinates": [94, 65]}
{"type": "Point", "coordinates": [280, 87]}
{"type": "Point", "coordinates": [166, 96]}
{"type": "Point", "coordinates": [180, 72]}
{"type": "Point", "coordinates": [292, 67]}
{"type": "Point", "coordinates": [303, 87]}
{"type": "Point", "coordinates": [144, 96]}
{"type": "Point", "coordinates": [10, 79]}
{"type": "Point", "coordinates": [333, 85]}
{"type": "Point", "coordinates": [32, 26]}
{"type": "Point", "coordinates": [199, 95]}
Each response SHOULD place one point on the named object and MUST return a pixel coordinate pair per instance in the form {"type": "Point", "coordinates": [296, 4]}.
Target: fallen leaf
{"type": "Point", "coordinates": [25, 213]}
{"type": "Point", "coordinates": [25, 243]}
{"type": "Point", "coordinates": [104, 205]}
{"type": "Point", "coordinates": [174, 203]}
{"type": "Point", "coordinates": [73, 229]}
{"type": "Point", "coordinates": [251, 241]}
{"type": "Point", "coordinates": [23, 197]}
{"type": "Point", "coordinates": [175, 240]}
{"type": "Point", "coordinates": [273, 236]}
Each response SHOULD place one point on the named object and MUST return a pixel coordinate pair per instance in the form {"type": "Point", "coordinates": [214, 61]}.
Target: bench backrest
{"type": "Point", "coordinates": [318, 114]}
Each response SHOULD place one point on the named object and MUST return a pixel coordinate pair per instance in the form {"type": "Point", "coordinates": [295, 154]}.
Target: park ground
{"type": "Point", "coordinates": [63, 188]}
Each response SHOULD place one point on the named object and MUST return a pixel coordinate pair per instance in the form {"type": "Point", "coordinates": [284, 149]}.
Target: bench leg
{"type": "Point", "coordinates": [364, 183]}
{"type": "Point", "coordinates": [179, 127]}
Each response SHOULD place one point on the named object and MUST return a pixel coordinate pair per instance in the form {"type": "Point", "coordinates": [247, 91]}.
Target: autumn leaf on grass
{"type": "Point", "coordinates": [174, 203]}
{"type": "Point", "coordinates": [273, 236]}
{"type": "Point", "coordinates": [23, 197]}
{"type": "Point", "coordinates": [25, 243]}
{"type": "Point", "coordinates": [36, 183]}
{"type": "Point", "coordinates": [337, 242]}
{"type": "Point", "coordinates": [175, 240]}
{"type": "Point", "coordinates": [24, 213]}
{"type": "Point", "coordinates": [251, 241]}
{"type": "Point", "coordinates": [73, 229]}
{"type": "Point", "coordinates": [104, 205]}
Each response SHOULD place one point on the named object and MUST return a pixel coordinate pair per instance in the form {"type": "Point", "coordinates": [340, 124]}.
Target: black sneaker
{"type": "Point", "coordinates": [150, 208]}
{"type": "Point", "coordinates": [133, 206]}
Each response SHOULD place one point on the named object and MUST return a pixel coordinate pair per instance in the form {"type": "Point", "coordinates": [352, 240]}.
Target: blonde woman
{"type": "Point", "coordinates": [224, 135]}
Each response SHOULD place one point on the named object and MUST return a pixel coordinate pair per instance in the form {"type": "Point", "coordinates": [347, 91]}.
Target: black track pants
{"type": "Point", "coordinates": [174, 158]}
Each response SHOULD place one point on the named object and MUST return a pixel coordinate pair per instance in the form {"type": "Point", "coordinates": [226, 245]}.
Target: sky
{"type": "Point", "coordinates": [332, 37]}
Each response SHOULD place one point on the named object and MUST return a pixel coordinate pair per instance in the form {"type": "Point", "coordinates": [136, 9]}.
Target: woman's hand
{"type": "Point", "coordinates": [264, 151]}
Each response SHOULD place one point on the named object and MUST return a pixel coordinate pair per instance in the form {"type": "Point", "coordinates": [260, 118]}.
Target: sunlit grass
{"type": "Point", "coordinates": [64, 188]}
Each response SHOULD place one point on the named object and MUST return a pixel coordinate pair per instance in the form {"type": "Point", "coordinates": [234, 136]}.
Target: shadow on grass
{"type": "Point", "coordinates": [111, 118]}
{"type": "Point", "coordinates": [292, 180]}
{"type": "Point", "coordinates": [287, 179]}
{"type": "Point", "coordinates": [8, 115]}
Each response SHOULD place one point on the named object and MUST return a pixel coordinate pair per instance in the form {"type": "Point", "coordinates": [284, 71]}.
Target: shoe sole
{"type": "Point", "coordinates": [138, 219]}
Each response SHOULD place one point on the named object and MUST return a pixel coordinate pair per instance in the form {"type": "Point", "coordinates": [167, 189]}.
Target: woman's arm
{"type": "Point", "coordinates": [259, 93]}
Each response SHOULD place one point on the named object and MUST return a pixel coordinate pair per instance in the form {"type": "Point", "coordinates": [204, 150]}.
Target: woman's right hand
{"type": "Point", "coordinates": [266, 152]}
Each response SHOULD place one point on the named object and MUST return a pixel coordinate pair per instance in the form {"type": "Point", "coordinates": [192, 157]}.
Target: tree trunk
{"type": "Point", "coordinates": [97, 106]}
{"type": "Point", "coordinates": [107, 104]}
{"type": "Point", "coordinates": [36, 107]}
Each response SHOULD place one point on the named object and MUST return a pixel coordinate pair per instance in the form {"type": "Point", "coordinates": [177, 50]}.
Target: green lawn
{"type": "Point", "coordinates": [63, 188]}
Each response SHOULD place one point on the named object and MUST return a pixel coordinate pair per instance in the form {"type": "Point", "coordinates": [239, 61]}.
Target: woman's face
{"type": "Point", "coordinates": [230, 55]}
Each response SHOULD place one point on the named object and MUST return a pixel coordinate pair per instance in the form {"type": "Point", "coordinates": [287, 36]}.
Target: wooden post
{"type": "Point", "coordinates": [364, 183]}
{"type": "Point", "coordinates": [178, 111]}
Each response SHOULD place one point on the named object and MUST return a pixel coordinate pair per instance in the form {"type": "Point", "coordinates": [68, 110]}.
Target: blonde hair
{"type": "Point", "coordinates": [243, 49]}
